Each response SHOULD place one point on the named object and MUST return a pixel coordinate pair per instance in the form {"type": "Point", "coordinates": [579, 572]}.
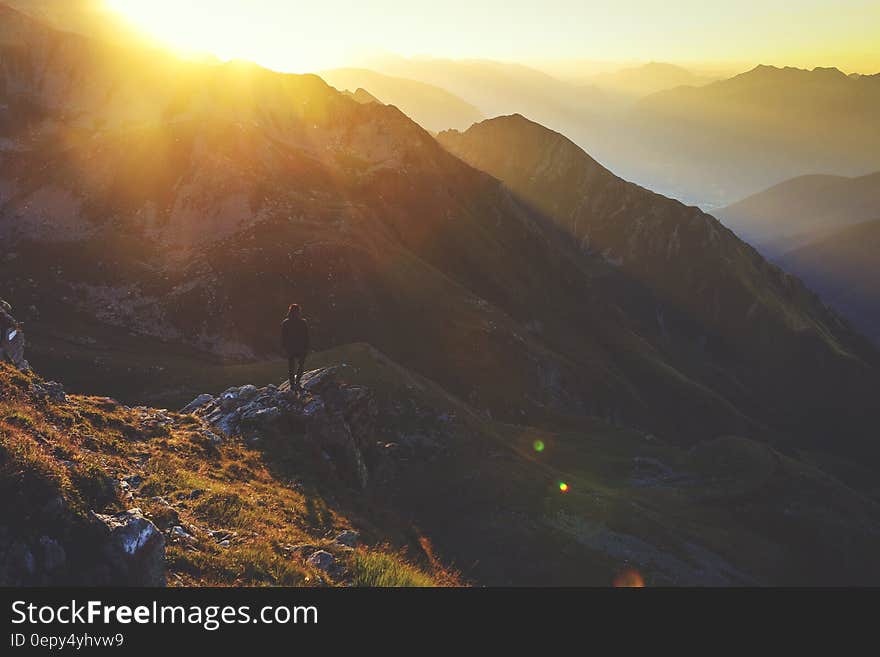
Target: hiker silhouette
{"type": "Point", "coordinates": [295, 343]}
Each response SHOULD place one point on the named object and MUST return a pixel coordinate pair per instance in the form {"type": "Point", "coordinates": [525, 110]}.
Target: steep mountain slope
{"type": "Point", "coordinates": [189, 202]}
{"type": "Point", "coordinates": [755, 322]}
{"type": "Point", "coordinates": [844, 268]}
{"type": "Point", "coordinates": [798, 211]}
{"type": "Point", "coordinates": [431, 107]}
{"type": "Point", "coordinates": [731, 138]}
{"type": "Point", "coordinates": [87, 17]}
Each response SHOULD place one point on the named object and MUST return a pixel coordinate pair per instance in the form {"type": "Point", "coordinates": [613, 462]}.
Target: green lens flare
{"type": "Point", "coordinates": [538, 445]}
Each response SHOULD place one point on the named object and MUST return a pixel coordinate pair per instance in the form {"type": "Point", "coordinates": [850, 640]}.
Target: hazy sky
{"type": "Point", "coordinates": [302, 36]}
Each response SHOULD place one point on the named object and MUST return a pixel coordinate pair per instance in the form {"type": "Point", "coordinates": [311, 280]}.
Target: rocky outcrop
{"type": "Point", "coordinates": [11, 338]}
{"type": "Point", "coordinates": [134, 548]}
{"type": "Point", "coordinates": [333, 417]}
{"type": "Point", "coordinates": [124, 549]}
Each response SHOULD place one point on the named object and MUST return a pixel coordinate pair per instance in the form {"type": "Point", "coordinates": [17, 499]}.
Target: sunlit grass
{"type": "Point", "coordinates": [79, 452]}
{"type": "Point", "coordinates": [380, 569]}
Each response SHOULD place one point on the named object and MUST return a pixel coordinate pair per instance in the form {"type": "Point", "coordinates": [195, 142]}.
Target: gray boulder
{"type": "Point", "coordinates": [135, 548]}
{"type": "Point", "coordinates": [52, 554]}
{"type": "Point", "coordinates": [348, 538]}
{"type": "Point", "coordinates": [11, 338]}
{"type": "Point", "coordinates": [322, 560]}
{"type": "Point", "coordinates": [336, 418]}
{"type": "Point", "coordinates": [50, 390]}
{"type": "Point", "coordinates": [197, 403]}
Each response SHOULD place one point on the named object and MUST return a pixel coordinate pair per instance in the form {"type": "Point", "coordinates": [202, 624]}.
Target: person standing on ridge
{"type": "Point", "coordinates": [295, 343]}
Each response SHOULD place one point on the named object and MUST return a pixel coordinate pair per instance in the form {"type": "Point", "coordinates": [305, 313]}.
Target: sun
{"type": "Point", "coordinates": [230, 29]}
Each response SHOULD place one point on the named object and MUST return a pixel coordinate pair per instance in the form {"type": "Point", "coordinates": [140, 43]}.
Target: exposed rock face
{"type": "Point", "coordinates": [349, 538]}
{"type": "Point", "coordinates": [322, 560]}
{"type": "Point", "coordinates": [135, 548]}
{"type": "Point", "coordinates": [197, 403]}
{"type": "Point", "coordinates": [335, 418]}
{"type": "Point", "coordinates": [11, 338]}
{"type": "Point", "coordinates": [124, 549]}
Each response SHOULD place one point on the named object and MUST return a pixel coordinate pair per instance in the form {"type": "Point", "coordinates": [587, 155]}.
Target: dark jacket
{"type": "Point", "coordinates": [295, 336]}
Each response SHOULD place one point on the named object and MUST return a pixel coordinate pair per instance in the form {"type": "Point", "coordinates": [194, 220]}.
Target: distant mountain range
{"type": "Point", "coordinates": [640, 81]}
{"type": "Point", "coordinates": [502, 88]}
{"type": "Point", "coordinates": [844, 267]}
{"type": "Point", "coordinates": [431, 107]}
{"type": "Point", "coordinates": [704, 142]}
{"type": "Point", "coordinates": [728, 139]}
{"type": "Point", "coordinates": [803, 209]}
{"type": "Point", "coordinates": [823, 229]}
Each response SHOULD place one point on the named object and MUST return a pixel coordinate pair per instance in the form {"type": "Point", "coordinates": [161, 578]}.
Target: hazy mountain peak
{"type": "Point", "coordinates": [796, 211]}
{"type": "Point", "coordinates": [790, 72]}
{"type": "Point", "coordinates": [645, 79]}
{"type": "Point", "coordinates": [430, 106]}
{"type": "Point", "coordinates": [361, 95]}
{"type": "Point", "coordinates": [523, 139]}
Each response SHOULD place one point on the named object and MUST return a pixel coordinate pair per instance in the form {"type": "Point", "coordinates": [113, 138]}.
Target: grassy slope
{"type": "Point", "coordinates": [487, 503]}
{"type": "Point", "coordinates": [730, 510]}
{"type": "Point", "coordinates": [80, 449]}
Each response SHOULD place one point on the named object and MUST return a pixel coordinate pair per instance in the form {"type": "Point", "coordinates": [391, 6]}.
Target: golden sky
{"type": "Point", "coordinates": [308, 36]}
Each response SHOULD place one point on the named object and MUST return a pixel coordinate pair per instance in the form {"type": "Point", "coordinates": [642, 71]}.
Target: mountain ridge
{"type": "Point", "coordinates": [431, 107]}
{"type": "Point", "coordinates": [644, 234]}
{"type": "Point", "coordinates": [843, 265]}
{"type": "Point", "coordinates": [733, 137]}
{"type": "Point", "coordinates": [794, 212]}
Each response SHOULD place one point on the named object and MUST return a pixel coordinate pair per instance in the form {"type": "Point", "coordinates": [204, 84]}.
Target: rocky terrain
{"type": "Point", "coordinates": [11, 338]}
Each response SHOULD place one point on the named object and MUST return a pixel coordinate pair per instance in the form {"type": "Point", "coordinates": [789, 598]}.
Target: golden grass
{"type": "Point", "coordinates": [81, 450]}
{"type": "Point", "coordinates": [381, 569]}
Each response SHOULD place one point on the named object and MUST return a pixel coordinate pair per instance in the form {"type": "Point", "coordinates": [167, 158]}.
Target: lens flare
{"type": "Point", "coordinates": [563, 486]}
{"type": "Point", "coordinates": [629, 578]}
{"type": "Point", "coordinates": [538, 445]}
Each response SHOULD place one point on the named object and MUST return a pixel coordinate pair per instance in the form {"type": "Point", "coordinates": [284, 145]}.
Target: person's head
{"type": "Point", "coordinates": [293, 310]}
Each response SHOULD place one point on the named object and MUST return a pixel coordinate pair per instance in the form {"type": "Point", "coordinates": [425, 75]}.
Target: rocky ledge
{"type": "Point", "coordinates": [336, 419]}
{"type": "Point", "coordinates": [124, 549]}
{"type": "Point", "coordinates": [11, 338]}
